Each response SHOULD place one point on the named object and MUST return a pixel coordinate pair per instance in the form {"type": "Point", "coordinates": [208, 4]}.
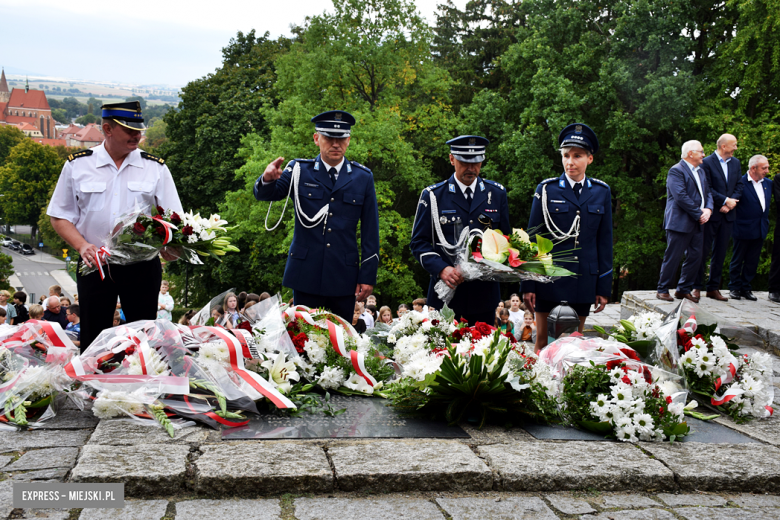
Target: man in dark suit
{"type": "Point", "coordinates": [750, 227]}
{"type": "Point", "coordinates": [688, 206]}
{"type": "Point", "coordinates": [723, 172]}
{"type": "Point", "coordinates": [325, 266]}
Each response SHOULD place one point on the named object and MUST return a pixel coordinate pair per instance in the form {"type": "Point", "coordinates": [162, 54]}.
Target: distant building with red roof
{"type": "Point", "coordinates": [71, 130]}
{"type": "Point", "coordinates": [86, 137]}
{"type": "Point", "coordinates": [26, 106]}
{"type": "Point", "coordinates": [28, 129]}
{"type": "Point", "coordinates": [51, 142]}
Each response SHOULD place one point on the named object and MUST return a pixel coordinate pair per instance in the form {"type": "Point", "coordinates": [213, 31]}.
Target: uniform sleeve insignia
{"type": "Point", "coordinates": [549, 180]}
{"type": "Point", "coordinates": [494, 183]}
{"type": "Point", "coordinates": [151, 157]}
{"type": "Point", "coordinates": [355, 163]}
{"type": "Point", "coordinates": [537, 195]}
{"type": "Point", "coordinates": [82, 153]}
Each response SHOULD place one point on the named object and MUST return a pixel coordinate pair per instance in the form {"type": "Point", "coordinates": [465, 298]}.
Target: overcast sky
{"type": "Point", "coordinates": [167, 42]}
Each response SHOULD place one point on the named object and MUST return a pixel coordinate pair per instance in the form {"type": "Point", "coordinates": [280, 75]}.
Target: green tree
{"type": "Point", "coordinates": [10, 136]}
{"type": "Point", "coordinates": [60, 115]}
{"type": "Point", "coordinates": [6, 271]}
{"type": "Point", "coordinates": [31, 170]}
{"type": "Point", "coordinates": [155, 134]}
{"type": "Point", "coordinates": [87, 119]}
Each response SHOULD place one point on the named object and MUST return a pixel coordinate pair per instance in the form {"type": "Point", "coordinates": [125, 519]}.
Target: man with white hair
{"type": "Point", "coordinates": [750, 228]}
{"type": "Point", "coordinates": [723, 172]}
{"type": "Point", "coordinates": [54, 312]}
{"type": "Point", "coordinates": [688, 206]}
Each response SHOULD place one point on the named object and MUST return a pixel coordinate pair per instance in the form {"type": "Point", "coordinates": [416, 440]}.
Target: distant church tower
{"type": "Point", "coordinates": [5, 94]}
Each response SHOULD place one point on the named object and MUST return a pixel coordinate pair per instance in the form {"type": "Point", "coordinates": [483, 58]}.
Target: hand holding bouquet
{"type": "Point", "coordinates": [139, 236]}
{"type": "Point", "coordinates": [492, 256]}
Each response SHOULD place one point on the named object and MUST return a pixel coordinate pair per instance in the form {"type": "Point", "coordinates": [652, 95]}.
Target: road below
{"type": "Point", "coordinates": [34, 272]}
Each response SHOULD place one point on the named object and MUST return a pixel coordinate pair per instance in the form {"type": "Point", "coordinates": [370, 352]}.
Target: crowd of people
{"type": "Point", "coordinates": [55, 308]}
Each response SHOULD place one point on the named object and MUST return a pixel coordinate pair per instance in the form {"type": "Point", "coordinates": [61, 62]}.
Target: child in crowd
{"type": "Point", "coordinates": [503, 323]}
{"type": "Point", "coordinates": [232, 315]}
{"type": "Point", "coordinates": [2, 316]}
{"type": "Point", "coordinates": [402, 309]}
{"type": "Point", "coordinates": [371, 300]}
{"type": "Point", "coordinates": [65, 302]}
{"type": "Point", "coordinates": [55, 290]}
{"type": "Point", "coordinates": [36, 312]}
{"type": "Point", "coordinates": [386, 315]}
{"type": "Point", "coordinates": [528, 331]}
{"type": "Point", "coordinates": [73, 330]}
{"type": "Point", "coordinates": [164, 302]}
{"type": "Point", "coordinates": [515, 313]}
{"type": "Point", "coordinates": [117, 319]}
{"type": "Point", "coordinates": [357, 321]}
{"type": "Point", "coordinates": [8, 307]}
{"type": "Point", "coordinates": [219, 315]}
{"type": "Point", "coordinates": [186, 317]}
{"type": "Point", "coordinates": [372, 310]}
{"type": "Point", "coordinates": [420, 305]}
{"type": "Point", "coordinates": [22, 314]}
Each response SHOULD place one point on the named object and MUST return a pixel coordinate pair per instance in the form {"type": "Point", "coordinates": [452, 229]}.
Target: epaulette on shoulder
{"type": "Point", "coordinates": [303, 160]}
{"type": "Point", "coordinates": [600, 182]}
{"type": "Point", "coordinates": [496, 184]}
{"type": "Point", "coordinates": [81, 153]}
{"type": "Point", "coordinates": [151, 157]}
{"type": "Point", "coordinates": [434, 186]}
{"type": "Point", "coordinates": [355, 163]}
{"type": "Point", "coordinates": [549, 180]}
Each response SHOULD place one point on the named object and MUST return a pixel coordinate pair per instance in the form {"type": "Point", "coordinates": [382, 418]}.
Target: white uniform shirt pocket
{"type": "Point", "coordinates": [93, 195]}
{"type": "Point", "coordinates": [141, 193]}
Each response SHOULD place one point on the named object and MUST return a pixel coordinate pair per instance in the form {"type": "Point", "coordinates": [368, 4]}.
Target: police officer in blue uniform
{"type": "Point", "coordinates": [330, 194]}
{"type": "Point", "coordinates": [443, 211]}
{"type": "Point", "coordinates": [575, 212]}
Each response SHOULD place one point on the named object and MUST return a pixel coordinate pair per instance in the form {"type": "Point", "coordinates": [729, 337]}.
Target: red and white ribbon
{"type": "Point", "coordinates": [168, 227]}
{"type": "Point", "coordinates": [336, 336]}
{"type": "Point", "coordinates": [253, 379]}
{"type": "Point", "coordinates": [101, 257]}
{"type": "Point", "coordinates": [729, 377]}
{"type": "Point", "coordinates": [730, 394]}
{"type": "Point", "coordinates": [166, 384]}
{"type": "Point", "coordinates": [690, 325]}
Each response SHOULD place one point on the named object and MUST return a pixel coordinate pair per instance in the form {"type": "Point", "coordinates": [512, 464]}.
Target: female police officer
{"type": "Point", "coordinates": [575, 212]}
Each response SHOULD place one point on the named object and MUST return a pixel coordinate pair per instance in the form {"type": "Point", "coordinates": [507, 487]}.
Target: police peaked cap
{"type": "Point", "coordinates": [334, 123]}
{"type": "Point", "coordinates": [579, 135]}
{"type": "Point", "coordinates": [468, 148]}
{"type": "Point", "coordinates": [127, 114]}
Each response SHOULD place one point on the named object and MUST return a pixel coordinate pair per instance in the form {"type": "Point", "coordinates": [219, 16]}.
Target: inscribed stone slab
{"type": "Point", "coordinates": [766, 430]}
{"type": "Point", "coordinates": [229, 509]}
{"type": "Point", "coordinates": [45, 459]}
{"type": "Point", "coordinates": [361, 509]}
{"type": "Point", "coordinates": [365, 417]}
{"type": "Point", "coordinates": [725, 513]}
{"type": "Point", "coordinates": [721, 467]}
{"type": "Point", "coordinates": [555, 466]}
{"type": "Point", "coordinates": [260, 468]}
{"type": "Point", "coordinates": [24, 440]}
{"type": "Point", "coordinates": [511, 508]}
{"type": "Point", "coordinates": [121, 432]}
{"type": "Point", "coordinates": [414, 465]}
{"type": "Point", "coordinates": [145, 469]}
{"type": "Point", "coordinates": [133, 510]}
{"type": "Point", "coordinates": [569, 506]}
{"type": "Point", "coordinates": [691, 500]}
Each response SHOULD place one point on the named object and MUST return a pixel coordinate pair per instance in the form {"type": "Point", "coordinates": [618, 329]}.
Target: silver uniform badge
{"type": "Point", "coordinates": [490, 196]}
{"type": "Point", "coordinates": [443, 220]}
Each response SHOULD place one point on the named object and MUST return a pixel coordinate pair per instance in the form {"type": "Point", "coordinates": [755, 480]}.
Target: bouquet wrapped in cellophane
{"type": "Point", "coordinates": [32, 356]}
{"type": "Point", "coordinates": [142, 233]}
{"type": "Point", "coordinates": [492, 256]}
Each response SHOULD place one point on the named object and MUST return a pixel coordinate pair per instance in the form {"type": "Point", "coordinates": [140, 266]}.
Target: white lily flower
{"type": "Point", "coordinates": [280, 372]}
{"type": "Point", "coordinates": [690, 406]}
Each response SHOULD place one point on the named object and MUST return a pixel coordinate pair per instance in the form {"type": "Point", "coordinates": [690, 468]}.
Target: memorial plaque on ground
{"type": "Point", "coordinates": [364, 417]}
{"type": "Point", "coordinates": [701, 431]}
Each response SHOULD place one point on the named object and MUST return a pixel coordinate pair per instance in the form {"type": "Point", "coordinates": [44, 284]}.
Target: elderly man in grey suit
{"type": "Point", "coordinates": [688, 206]}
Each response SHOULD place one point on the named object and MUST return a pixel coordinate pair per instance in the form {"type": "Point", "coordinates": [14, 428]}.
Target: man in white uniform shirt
{"type": "Point", "coordinates": [95, 188]}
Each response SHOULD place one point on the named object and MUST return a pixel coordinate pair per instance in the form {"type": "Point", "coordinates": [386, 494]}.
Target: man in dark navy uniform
{"type": "Point", "coordinates": [443, 212]}
{"type": "Point", "coordinates": [575, 212]}
{"type": "Point", "coordinates": [330, 194]}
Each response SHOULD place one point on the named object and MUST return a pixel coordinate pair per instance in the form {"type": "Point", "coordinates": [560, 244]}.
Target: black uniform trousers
{"type": "Point", "coordinates": [716, 239]}
{"type": "Point", "coordinates": [774, 269]}
{"type": "Point", "coordinates": [744, 263]}
{"type": "Point", "coordinates": [136, 285]}
{"type": "Point", "coordinates": [343, 306]}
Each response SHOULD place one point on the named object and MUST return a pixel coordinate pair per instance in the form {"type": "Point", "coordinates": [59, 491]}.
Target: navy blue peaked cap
{"type": "Point", "coordinates": [580, 135]}
{"type": "Point", "coordinates": [127, 114]}
{"type": "Point", "coordinates": [333, 123]}
{"type": "Point", "coordinates": [468, 148]}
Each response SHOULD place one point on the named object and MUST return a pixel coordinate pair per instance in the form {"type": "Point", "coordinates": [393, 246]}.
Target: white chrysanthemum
{"type": "Point", "coordinates": [391, 339]}
{"type": "Point", "coordinates": [362, 343]}
{"type": "Point", "coordinates": [216, 351]}
{"type": "Point", "coordinates": [643, 423]}
{"type": "Point", "coordinates": [331, 378]}
{"type": "Point", "coordinates": [706, 357]}
{"type": "Point", "coordinates": [698, 343]}
{"type": "Point", "coordinates": [357, 383]}
{"type": "Point", "coordinates": [626, 434]}
{"type": "Point", "coordinates": [192, 238]}
{"type": "Point", "coordinates": [616, 374]}
{"type": "Point", "coordinates": [315, 352]}
{"type": "Point", "coordinates": [421, 364]}
{"type": "Point", "coordinates": [621, 393]}
{"type": "Point", "coordinates": [751, 386]}
{"type": "Point", "coordinates": [112, 404]}
{"type": "Point", "coordinates": [154, 364]}
{"type": "Point", "coordinates": [689, 358]}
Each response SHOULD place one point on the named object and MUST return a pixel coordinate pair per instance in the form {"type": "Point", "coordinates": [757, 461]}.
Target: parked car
{"type": "Point", "coordinates": [16, 245]}
{"type": "Point", "coordinates": [7, 242]}
{"type": "Point", "coordinates": [27, 249]}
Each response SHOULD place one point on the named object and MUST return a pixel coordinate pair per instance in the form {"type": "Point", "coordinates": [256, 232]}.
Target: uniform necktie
{"type": "Point", "coordinates": [332, 173]}
{"type": "Point", "coordinates": [577, 189]}
{"type": "Point", "coordinates": [468, 194]}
